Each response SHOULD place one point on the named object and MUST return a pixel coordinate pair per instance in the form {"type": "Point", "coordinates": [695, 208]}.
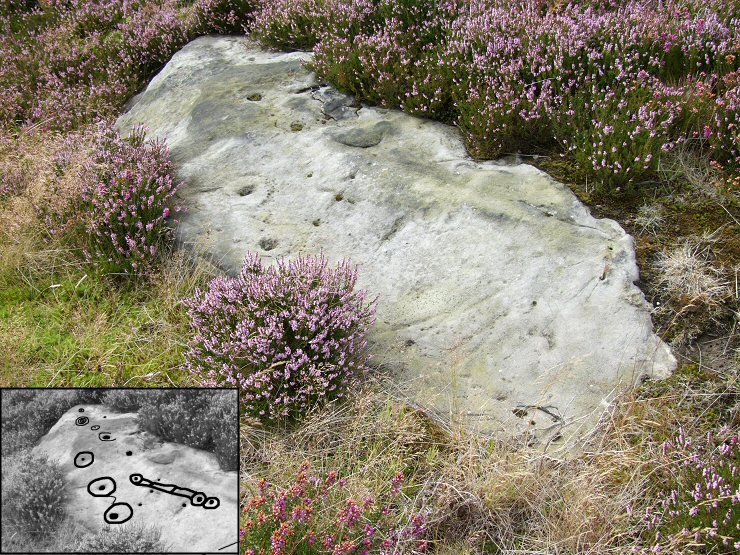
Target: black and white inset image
{"type": "Point", "coordinates": [120, 470]}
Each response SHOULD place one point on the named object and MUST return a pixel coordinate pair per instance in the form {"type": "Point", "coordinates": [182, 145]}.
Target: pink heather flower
{"type": "Point", "coordinates": [350, 514]}
{"type": "Point", "coordinates": [289, 335]}
{"type": "Point", "coordinates": [396, 483]}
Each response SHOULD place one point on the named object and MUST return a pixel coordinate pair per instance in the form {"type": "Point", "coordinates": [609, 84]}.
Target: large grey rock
{"type": "Point", "coordinates": [500, 297]}
{"type": "Point", "coordinates": [111, 445]}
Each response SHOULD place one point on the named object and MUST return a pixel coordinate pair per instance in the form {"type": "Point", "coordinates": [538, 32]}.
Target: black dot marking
{"type": "Point", "coordinates": [80, 410]}
{"type": "Point", "coordinates": [82, 420]}
{"type": "Point", "coordinates": [105, 417]}
{"type": "Point", "coordinates": [139, 504]}
{"type": "Point", "coordinates": [102, 487]}
{"type": "Point", "coordinates": [83, 459]}
{"type": "Point", "coordinates": [129, 453]}
{"type": "Point", "coordinates": [197, 498]}
{"type": "Point", "coordinates": [105, 436]}
{"type": "Point", "coordinates": [118, 513]}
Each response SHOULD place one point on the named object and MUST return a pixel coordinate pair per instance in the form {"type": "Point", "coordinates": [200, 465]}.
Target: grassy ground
{"type": "Point", "coordinates": [65, 326]}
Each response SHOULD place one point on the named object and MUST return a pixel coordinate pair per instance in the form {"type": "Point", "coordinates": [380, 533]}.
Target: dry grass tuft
{"type": "Point", "coordinates": [686, 271]}
{"type": "Point", "coordinates": [695, 291]}
{"type": "Point", "coordinates": [649, 218]}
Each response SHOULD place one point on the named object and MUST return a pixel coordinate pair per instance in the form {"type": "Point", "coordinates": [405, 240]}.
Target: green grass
{"type": "Point", "coordinates": [71, 328]}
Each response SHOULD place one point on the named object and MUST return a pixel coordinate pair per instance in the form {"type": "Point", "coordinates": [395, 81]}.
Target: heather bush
{"type": "Point", "coordinates": [223, 16]}
{"type": "Point", "coordinates": [298, 24]}
{"type": "Point", "coordinates": [14, 170]}
{"type": "Point", "coordinates": [67, 64]}
{"type": "Point", "coordinates": [200, 419]}
{"type": "Point", "coordinates": [127, 538]}
{"type": "Point", "coordinates": [316, 515]}
{"type": "Point", "coordinates": [33, 493]}
{"type": "Point", "coordinates": [288, 335]}
{"type": "Point", "coordinates": [613, 85]}
{"type": "Point", "coordinates": [698, 508]}
{"type": "Point", "coordinates": [725, 135]}
{"type": "Point", "coordinates": [619, 151]}
{"type": "Point", "coordinates": [116, 206]}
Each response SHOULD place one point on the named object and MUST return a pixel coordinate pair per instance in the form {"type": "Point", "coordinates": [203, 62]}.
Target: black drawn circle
{"type": "Point", "coordinates": [80, 410]}
{"type": "Point", "coordinates": [105, 436]}
{"type": "Point", "coordinates": [84, 459]}
{"type": "Point", "coordinates": [82, 420]}
{"type": "Point", "coordinates": [96, 427]}
{"type": "Point", "coordinates": [101, 487]}
{"type": "Point", "coordinates": [211, 503]}
{"type": "Point", "coordinates": [118, 513]}
{"type": "Point", "coordinates": [198, 498]}
{"type": "Point", "coordinates": [135, 479]}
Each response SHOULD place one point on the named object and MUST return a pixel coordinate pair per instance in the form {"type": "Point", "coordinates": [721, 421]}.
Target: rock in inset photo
{"type": "Point", "coordinates": [120, 470]}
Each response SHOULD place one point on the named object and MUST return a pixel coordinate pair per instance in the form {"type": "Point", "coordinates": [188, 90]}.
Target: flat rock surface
{"type": "Point", "coordinates": [501, 299]}
{"type": "Point", "coordinates": [88, 453]}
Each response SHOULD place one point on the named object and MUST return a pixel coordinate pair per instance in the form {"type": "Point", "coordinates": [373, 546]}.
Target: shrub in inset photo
{"type": "Point", "coordinates": [288, 335]}
{"type": "Point", "coordinates": [129, 538]}
{"type": "Point", "coordinates": [33, 492]}
{"type": "Point", "coordinates": [126, 400]}
{"type": "Point", "coordinates": [28, 414]}
{"type": "Point", "coordinates": [202, 419]}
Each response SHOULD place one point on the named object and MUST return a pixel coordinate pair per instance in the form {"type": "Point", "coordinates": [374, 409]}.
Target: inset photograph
{"type": "Point", "coordinates": [120, 471]}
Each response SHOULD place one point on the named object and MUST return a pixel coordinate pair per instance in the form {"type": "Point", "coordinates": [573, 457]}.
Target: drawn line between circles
{"type": "Point", "coordinates": [197, 498]}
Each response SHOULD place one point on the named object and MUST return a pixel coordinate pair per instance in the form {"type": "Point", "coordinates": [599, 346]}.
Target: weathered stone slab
{"type": "Point", "coordinates": [99, 447]}
{"type": "Point", "coordinates": [500, 297]}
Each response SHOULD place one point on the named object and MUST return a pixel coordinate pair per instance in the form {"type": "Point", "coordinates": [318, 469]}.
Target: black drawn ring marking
{"type": "Point", "coordinates": [197, 498]}
{"type": "Point", "coordinates": [84, 459]}
{"type": "Point", "coordinates": [101, 487]}
{"type": "Point", "coordinates": [82, 420]}
{"type": "Point", "coordinates": [105, 436]}
{"type": "Point", "coordinates": [96, 427]}
{"type": "Point", "coordinates": [118, 513]}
